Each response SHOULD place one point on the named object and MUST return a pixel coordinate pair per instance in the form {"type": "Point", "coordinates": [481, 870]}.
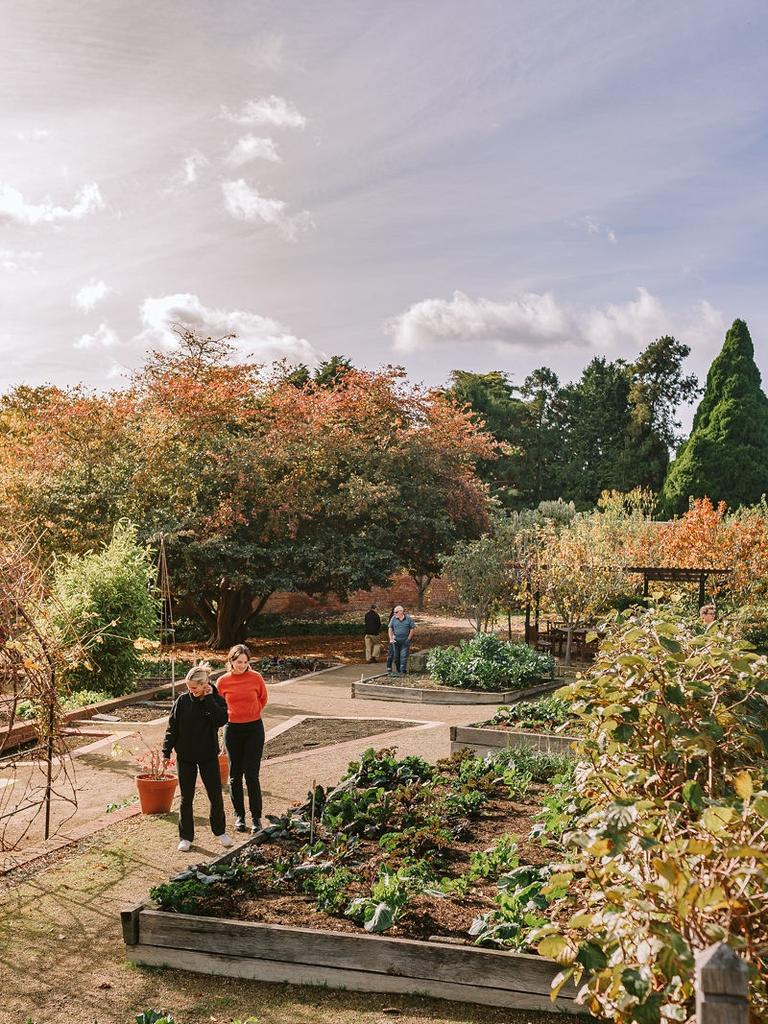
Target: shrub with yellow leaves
{"type": "Point", "coordinates": [672, 853]}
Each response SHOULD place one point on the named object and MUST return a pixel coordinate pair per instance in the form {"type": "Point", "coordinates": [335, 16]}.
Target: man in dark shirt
{"type": "Point", "coordinates": [372, 631]}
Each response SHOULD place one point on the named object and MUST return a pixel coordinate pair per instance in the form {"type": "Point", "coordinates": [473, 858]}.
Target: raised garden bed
{"type": "Point", "coordinates": [416, 692]}
{"type": "Point", "coordinates": [418, 851]}
{"type": "Point", "coordinates": [523, 724]}
{"type": "Point", "coordinates": [360, 963]}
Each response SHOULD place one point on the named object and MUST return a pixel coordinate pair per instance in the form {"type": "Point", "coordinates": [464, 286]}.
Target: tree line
{"type": "Point", "coordinates": [257, 480]}
{"type": "Point", "coordinates": [264, 479]}
{"type": "Point", "coordinates": [617, 427]}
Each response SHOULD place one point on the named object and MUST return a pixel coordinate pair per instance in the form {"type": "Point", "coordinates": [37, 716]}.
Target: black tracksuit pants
{"type": "Point", "coordinates": [209, 773]}
{"type": "Point", "coordinates": [245, 745]}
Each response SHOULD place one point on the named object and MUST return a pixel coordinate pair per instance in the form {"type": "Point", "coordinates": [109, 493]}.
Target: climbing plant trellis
{"type": "Point", "coordinates": [167, 627]}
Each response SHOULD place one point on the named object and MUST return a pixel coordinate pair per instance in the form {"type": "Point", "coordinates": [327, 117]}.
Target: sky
{"type": "Point", "coordinates": [440, 184]}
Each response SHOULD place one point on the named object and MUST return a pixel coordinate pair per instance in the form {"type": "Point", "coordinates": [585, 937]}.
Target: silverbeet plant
{"type": "Point", "coordinates": [389, 897]}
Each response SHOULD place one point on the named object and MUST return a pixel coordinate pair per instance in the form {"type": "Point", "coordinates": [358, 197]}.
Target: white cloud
{"type": "Point", "coordinates": [251, 147]}
{"type": "Point", "coordinates": [191, 166]}
{"type": "Point", "coordinates": [524, 322]}
{"type": "Point", "coordinates": [594, 227]}
{"type": "Point", "coordinates": [533, 320]}
{"type": "Point", "coordinates": [33, 135]}
{"type": "Point", "coordinates": [103, 337]}
{"type": "Point", "coordinates": [86, 298]}
{"type": "Point", "coordinates": [245, 203]}
{"type": "Point", "coordinates": [259, 338]}
{"type": "Point", "coordinates": [272, 110]}
{"type": "Point", "coordinates": [12, 260]}
{"type": "Point", "coordinates": [14, 209]}
{"type": "Point", "coordinates": [188, 173]}
{"type": "Point", "coordinates": [638, 322]}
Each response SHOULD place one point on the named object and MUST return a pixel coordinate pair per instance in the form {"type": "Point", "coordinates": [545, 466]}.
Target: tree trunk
{"type": "Point", "coordinates": [568, 638]}
{"type": "Point", "coordinates": [233, 609]}
{"type": "Point", "coordinates": [422, 582]}
{"type": "Point", "coordinates": [203, 610]}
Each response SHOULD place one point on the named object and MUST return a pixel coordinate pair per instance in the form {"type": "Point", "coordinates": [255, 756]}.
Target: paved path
{"type": "Point", "coordinates": [102, 774]}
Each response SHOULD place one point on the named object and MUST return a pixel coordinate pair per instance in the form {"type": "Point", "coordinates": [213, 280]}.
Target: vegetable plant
{"type": "Point", "coordinates": [547, 714]}
{"type": "Point", "coordinates": [488, 663]}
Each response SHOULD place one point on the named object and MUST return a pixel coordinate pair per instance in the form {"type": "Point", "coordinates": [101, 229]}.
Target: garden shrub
{"type": "Point", "coordinates": [753, 622]}
{"type": "Point", "coordinates": [28, 710]}
{"type": "Point", "coordinates": [487, 663]}
{"type": "Point", "coordinates": [105, 598]}
{"type": "Point", "coordinates": [668, 853]}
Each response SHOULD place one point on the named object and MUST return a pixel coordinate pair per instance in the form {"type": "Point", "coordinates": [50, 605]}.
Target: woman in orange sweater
{"type": "Point", "coordinates": [246, 695]}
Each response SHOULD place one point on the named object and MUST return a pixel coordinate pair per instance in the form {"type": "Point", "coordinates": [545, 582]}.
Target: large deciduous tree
{"type": "Point", "coordinates": [258, 482]}
{"type": "Point", "coordinates": [726, 456]}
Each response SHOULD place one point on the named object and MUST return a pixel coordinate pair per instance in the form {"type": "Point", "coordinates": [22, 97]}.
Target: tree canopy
{"type": "Point", "coordinates": [257, 482]}
{"type": "Point", "coordinates": [726, 456]}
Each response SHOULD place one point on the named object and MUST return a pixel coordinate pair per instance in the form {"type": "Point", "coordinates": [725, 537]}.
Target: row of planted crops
{"type": "Point", "coordinates": [610, 865]}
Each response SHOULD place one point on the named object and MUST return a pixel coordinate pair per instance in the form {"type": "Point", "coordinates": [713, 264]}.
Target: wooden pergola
{"type": "Point", "coordinates": [668, 574]}
{"type": "Point", "coordinates": [650, 573]}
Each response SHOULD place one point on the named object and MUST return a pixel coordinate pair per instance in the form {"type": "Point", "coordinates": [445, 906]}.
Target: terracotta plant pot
{"type": "Point", "coordinates": [224, 768]}
{"type": "Point", "coordinates": [156, 795]}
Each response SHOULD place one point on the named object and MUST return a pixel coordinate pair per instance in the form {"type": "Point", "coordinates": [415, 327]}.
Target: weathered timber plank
{"type": "Point", "coordinates": [447, 695]}
{"type": "Point", "coordinates": [129, 918]}
{"type": "Point", "coordinates": [353, 980]}
{"type": "Point", "coordinates": [485, 740]}
{"type": "Point", "coordinates": [380, 954]}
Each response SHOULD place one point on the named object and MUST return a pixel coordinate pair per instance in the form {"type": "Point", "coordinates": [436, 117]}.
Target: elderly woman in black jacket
{"type": "Point", "coordinates": [193, 732]}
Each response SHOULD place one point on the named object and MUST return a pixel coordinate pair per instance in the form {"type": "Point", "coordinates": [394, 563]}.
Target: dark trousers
{"type": "Point", "coordinates": [401, 655]}
{"type": "Point", "coordinates": [390, 655]}
{"type": "Point", "coordinates": [245, 745]}
{"type": "Point", "coordinates": [209, 773]}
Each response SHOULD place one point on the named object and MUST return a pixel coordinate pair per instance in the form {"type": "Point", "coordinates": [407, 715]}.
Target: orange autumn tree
{"type": "Point", "coordinates": [65, 463]}
{"type": "Point", "coordinates": [262, 484]}
{"type": "Point", "coordinates": [709, 536]}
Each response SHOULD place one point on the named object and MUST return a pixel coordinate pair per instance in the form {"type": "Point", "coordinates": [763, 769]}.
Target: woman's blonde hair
{"type": "Point", "coordinates": [236, 651]}
{"type": "Point", "coordinates": [199, 674]}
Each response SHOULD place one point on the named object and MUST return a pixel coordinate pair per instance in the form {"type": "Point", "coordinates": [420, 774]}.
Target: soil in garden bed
{"type": "Point", "coordinates": [274, 901]}
{"type": "Point", "coordinates": [426, 682]}
{"type": "Point", "coordinates": [324, 732]}
{"type": "Point", "coordinates": [418, 682]}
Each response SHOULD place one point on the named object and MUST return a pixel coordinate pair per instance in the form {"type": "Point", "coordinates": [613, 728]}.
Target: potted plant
{"type": "Point", "coordinates": [155, 782]}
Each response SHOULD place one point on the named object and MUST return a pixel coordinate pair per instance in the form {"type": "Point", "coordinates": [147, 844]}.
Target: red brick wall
{"type": "Point", "coordinates": [402, 590]}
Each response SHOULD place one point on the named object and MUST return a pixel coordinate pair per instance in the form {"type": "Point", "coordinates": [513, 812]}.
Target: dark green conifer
{"type": "Point", "coordinates": [726, 456]}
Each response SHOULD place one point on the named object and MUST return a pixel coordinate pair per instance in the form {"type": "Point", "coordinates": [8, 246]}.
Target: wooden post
{"type": "Point", "coordinates": [130, 922]}
{"type": "Point", "coordinates": [702, 582]}
{"type": "Point", "coordinates": [722, 986]}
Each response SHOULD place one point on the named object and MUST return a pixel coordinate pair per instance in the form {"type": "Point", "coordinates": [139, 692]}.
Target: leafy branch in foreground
{"type": "Point", "coordinates": [670, 854]}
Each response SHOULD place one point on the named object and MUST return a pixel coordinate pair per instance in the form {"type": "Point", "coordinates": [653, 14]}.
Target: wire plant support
{"type": "Point", "coordinates": [167, 627]}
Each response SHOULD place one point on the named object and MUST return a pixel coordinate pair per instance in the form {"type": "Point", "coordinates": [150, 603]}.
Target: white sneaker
{"type": "Point", "coordinates": [184, 846]}
{"type": "Point", "coordinates": [224, 839]}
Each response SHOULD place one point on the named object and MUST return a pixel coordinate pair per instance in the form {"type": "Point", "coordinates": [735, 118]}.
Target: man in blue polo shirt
{"type": "Point", "coordinates": [401, 627]}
